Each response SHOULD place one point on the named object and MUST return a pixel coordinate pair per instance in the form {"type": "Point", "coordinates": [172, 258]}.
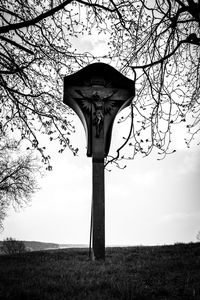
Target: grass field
{"type": "Point", "coordinates": [160, 272]}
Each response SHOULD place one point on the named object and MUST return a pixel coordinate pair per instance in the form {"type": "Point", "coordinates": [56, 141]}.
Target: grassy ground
{"type": "Point", "coordinates": [167, 272]}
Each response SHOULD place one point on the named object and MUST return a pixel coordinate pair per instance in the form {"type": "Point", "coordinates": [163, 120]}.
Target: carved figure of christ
{"type": "Point", "coordinates": [102, 106]}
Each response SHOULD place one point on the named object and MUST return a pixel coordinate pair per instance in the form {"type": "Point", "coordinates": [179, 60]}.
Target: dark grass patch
{"type": "Point", "coordinates": [162, 272]}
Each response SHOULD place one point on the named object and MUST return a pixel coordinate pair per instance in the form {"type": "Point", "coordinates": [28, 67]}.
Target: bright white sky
{"type": "Point", "coordinates": [150, 202]}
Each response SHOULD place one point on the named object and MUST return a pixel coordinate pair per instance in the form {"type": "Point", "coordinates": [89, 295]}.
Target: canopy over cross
{"type": "Point", "coordinates": [97, 93]}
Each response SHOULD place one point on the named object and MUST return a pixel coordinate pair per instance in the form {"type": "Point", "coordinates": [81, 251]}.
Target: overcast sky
{"type": "Point", "coordinates": [150, 202]}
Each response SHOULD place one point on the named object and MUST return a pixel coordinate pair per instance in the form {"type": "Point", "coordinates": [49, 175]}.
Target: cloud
{"type": "Point", "coordinates": [190, 163]}
{"type": "Point", "coordinates": [148, 178]}
{"type": "Point", "coordinates": [180, 216]}
{"type": "Point", "coordinates": [95, 45]}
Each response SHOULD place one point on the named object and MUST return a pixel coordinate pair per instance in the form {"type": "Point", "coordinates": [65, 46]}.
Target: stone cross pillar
{"type": "Point", "coordinates": [98, 193]}
{"type": "Point", "coordinates": [98, 210]}
{"type": "Point", "coordinates": [97, 93]}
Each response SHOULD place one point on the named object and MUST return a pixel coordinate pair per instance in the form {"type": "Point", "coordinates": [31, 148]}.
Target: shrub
{"type": "Point", "coordinates": [12, 246]}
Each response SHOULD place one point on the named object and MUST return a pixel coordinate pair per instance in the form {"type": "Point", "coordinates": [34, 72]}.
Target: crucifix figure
{"type": "Point", "coordinates": [97, 93]}
{"type": "Point", "coordinates": [99, 113]}
{"type": "Point", "coordinates": [102, 106]}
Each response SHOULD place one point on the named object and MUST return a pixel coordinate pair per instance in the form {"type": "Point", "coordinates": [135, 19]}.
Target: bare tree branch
{"type": "Point", "coordinates": [16, 44]}
{"type": "Point", "coordinates": [35, 20]}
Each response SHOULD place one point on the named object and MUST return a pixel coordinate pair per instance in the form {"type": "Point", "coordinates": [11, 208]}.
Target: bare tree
{"type": "Point", "coordinates": [17, 177]}
{"type": "Point", "coordinates": [160, 41]}
{"type": "Point", "coordinates": [12, 246]}
{"type": "Point", "coordinates": [35, 53]}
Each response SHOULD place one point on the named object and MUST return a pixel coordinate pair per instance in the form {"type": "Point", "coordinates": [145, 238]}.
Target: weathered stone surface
{"type": "Point", "coordinates": [98, 210]}
{"type": "Point", "coordinates": [114, 90]}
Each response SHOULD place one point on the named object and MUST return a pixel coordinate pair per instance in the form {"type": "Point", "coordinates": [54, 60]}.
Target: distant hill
{"type": "Point", "coordinates": [39, 246]}
{"type": "Point", "coordinates": [62, 246]}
